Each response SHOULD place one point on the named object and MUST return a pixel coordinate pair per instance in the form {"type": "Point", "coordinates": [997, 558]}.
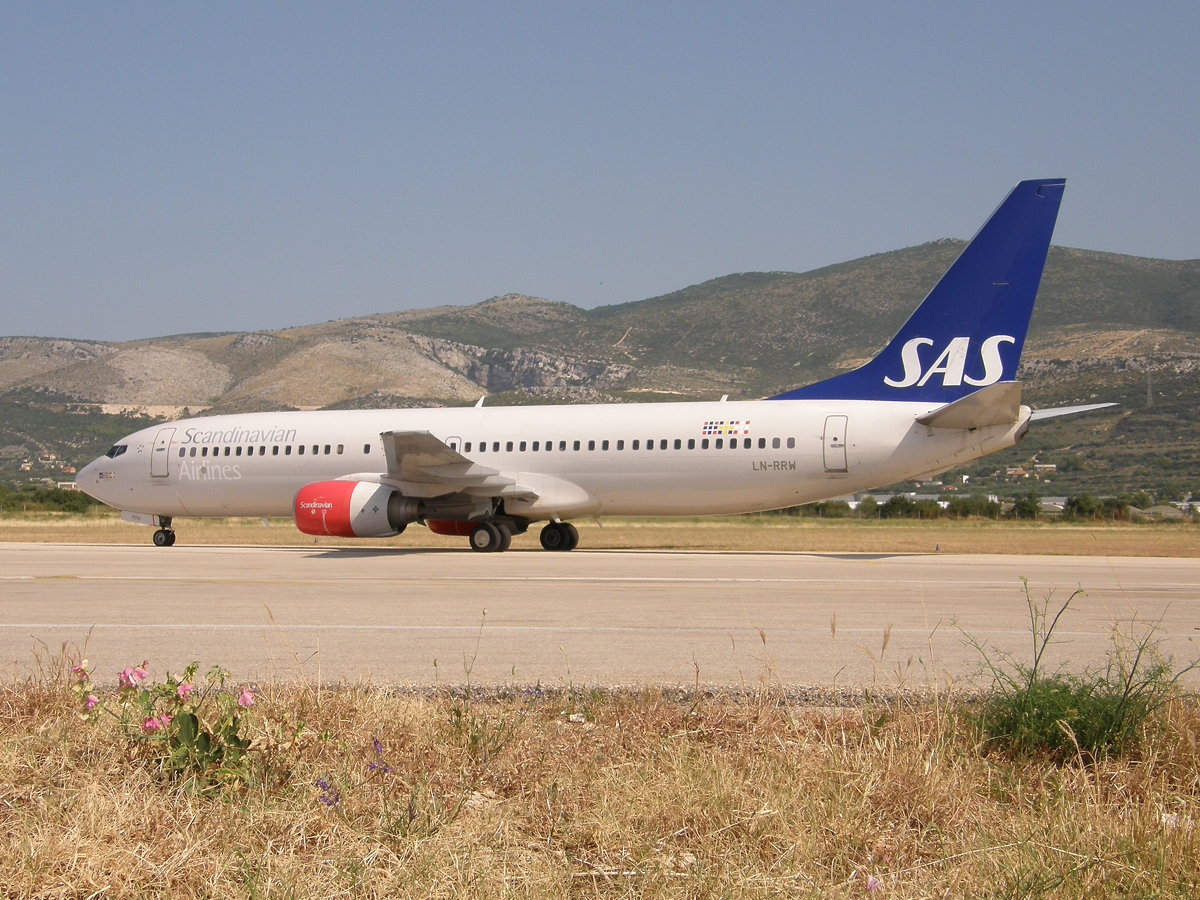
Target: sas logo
{"type": "Point", "coordinates": [951, 363]}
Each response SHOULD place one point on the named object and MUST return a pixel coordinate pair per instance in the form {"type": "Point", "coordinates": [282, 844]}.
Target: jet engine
{"type": "Point", "coordinates": [353, 509]}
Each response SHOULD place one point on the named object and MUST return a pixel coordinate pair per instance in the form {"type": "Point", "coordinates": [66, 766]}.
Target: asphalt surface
{"type": "Point", "coordinates": [586, 618]}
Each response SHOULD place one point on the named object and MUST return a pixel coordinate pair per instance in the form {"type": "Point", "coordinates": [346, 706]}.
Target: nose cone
{"type": "Point", "coordinates": [89, 481]}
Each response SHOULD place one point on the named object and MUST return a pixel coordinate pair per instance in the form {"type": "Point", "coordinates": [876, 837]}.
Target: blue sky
{"type": "Point", "coordinates": [170, 168]}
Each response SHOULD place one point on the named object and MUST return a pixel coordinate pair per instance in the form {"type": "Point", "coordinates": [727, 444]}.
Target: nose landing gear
{"type": "Point", "coordinates": [165, 536]}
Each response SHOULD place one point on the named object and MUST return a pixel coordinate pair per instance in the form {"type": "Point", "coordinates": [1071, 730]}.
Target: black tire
{"type": "Point", "coordinates": [485, 538]}
{"type": "Point", "coordinates": [171, 539]}
{"type": "Point", "coordinates": [505, 537]}
{"type": "Point", "coordinates": [572, 536]}
{"type": "Point", "coordinates": [162, 538]}
{"type": "Point", "coordinates": [554, 537]}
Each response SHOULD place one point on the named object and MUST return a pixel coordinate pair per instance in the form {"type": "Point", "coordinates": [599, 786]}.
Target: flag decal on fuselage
{"type": "Point", "coordinates": [724, 427]}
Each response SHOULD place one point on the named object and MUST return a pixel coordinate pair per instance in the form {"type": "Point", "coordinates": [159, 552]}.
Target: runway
{"type": "Point", "coordinates": [586, 618]}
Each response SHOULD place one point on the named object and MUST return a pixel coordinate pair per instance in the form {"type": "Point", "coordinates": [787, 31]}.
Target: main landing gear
{"type": "Point", "coordinates": [490, 537]}
{"type": "Point", "coordinates": [495, 536]}
{"type": "Point", "coordinates": [559, 536]}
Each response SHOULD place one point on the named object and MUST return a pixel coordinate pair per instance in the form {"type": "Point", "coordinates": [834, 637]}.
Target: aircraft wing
{"type": "Point", "coordinates": [425, 463]}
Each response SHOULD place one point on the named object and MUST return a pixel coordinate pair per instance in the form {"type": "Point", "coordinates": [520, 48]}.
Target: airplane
{"type": "Point", "coordinates": [942, 392]}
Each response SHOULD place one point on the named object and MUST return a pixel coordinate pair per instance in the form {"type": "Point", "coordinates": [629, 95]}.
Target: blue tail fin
{"type": "Point", "coordinates": [968, 333]}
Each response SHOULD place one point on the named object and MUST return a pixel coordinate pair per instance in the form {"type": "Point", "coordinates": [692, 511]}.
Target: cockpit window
{"type": "Point", "coordinates": [116, 451]}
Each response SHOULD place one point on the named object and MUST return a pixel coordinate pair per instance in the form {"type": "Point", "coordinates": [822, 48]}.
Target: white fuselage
{"type": "Point", "coordinates": [799, 451]}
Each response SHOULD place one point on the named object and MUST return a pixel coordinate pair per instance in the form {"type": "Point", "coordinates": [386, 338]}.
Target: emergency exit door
{"type": "Point", "coordinates": [160, 456]}
{"type": "Point", "coordinates": [835, 444]}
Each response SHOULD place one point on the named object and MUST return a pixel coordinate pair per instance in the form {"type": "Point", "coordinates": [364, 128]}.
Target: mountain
{"type": "Point", "coordinates": [1102, 325]}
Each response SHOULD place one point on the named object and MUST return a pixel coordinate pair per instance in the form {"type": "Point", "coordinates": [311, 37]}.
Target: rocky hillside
{"type": "Point", "coordinates": [1104, 324]}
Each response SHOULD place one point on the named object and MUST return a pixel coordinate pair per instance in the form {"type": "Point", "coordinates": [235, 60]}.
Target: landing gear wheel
{"type": "Point", "coordinates": [505, 537]}
{"type": "Point", "coordinates": [164, 538]}
{"type": "Point", "coordinates": [485, 538]}
{"type": "Point", "coordinates": [559, 536]}
{"type": "Point", "coordinates": [171, 539]}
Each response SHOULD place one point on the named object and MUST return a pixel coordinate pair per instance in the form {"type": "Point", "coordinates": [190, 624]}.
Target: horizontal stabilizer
{"type": "Point", "coordinates": [997, 404]}
{"type": "Point", "coordinates": [1066, 411]}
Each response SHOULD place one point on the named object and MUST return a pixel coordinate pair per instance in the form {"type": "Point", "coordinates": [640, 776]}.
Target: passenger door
{"type": "Point", "coordinates": [160, 456]}
{"type": "Point", "coordinates": [835, 444]}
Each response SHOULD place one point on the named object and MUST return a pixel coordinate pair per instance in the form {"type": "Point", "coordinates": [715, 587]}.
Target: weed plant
{"type": "Point", "coordinates": [1063, 715]}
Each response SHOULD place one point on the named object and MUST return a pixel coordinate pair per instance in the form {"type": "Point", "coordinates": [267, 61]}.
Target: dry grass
{"type": "Point", "coordinates": [754, 533]}
{"type": "Point", "coordinates": [589, 794]}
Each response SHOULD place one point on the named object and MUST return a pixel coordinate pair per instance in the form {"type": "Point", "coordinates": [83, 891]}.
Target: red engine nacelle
{"type": "Point", "coordinates": [352, 509]}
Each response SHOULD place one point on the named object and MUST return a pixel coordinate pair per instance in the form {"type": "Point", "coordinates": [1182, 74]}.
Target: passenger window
{"type": "Point", "coordinates": [662, 445]}
{"type": "Point", "coordinates": [576, 446]}
{"type": "Point", "coordinates": [774, 443]}
{"type": "Point", "coordinates": [192, 452]}
{"type": "Point", "coordinates": [678, 444]}
{"type": "Point", "coordinates": [467, 447]}
{"type": "Point", "coordinates": [483, 446]}
{"type": "Point", "coordinates": [299, 450]}
{"type": "Point", "coordinates": [691, 443]}
{"type": "Point", "coordinates": [262, 451]}
{"type": "Point", "coordinates": [316, 449]}
{"type": "Point", "coordinates": [733, 443]}
{"type": "Point", "coordinates": [287, 451]}
{"type": "Point", "coordinates": [536, 445]}
{"type": "Point", "coordinates": [746, 443]}
{"type": "Point", "coordinates": [366, 448]}
{"type": "Point", "coordinates": [522, 446]}
{"type": "Point", "coordinates": [635, 445]}
{"type": "Point", "coordinates": [239, 452]}
{"type": "Point", "coordinates": [720, 443]}
{"type": "Point", "coordinates": [508, 447]}
{"type": "Point", "coordinates": [620, 445]}
{"type": "Point", "coordinates": [650, 444]}
{"type": "Point", "coordinates": [203, 451]}
{"type": "Point", "coordinates": [791, 443]}
{"type": "Point", "coordinates": [704, 444]}
{"type": "Point", "coordinates": [762, 443]}
{"type": "Point", "coordinates": [562, 445]}
{"type": "Point", "coordinates": [591, 445]}
{"type": "Point", "coordinates": [341, 447]}
{"type": "Point", "coordinates": [604, 445]}
{"type": "Point", "coordinates": [182, 451]}
{"type": "Point", "coordinates": [275, 450]}
{"type": "Point", "coordinates": [249, 451]}
{"type": "Point", "coordinates": [327, 449]}
{"type": "Point", "coordinates": [495, 446]}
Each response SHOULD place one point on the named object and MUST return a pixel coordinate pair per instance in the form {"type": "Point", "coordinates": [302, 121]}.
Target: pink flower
{"type": "Point", "coordinates": [873, 883]}
{"type": "Point", "coordinates": [150, 724]}
{"type": "Point", "coordinates": [246, 698]}
{"type": "Point", "coordinates": [165, 720]}
{"type": "Point", "coordinates": [132, 676]}
{"type": "Point", "coordinates": [183, 690]}
{"type": "Point", "coordinates": [91, 701]}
